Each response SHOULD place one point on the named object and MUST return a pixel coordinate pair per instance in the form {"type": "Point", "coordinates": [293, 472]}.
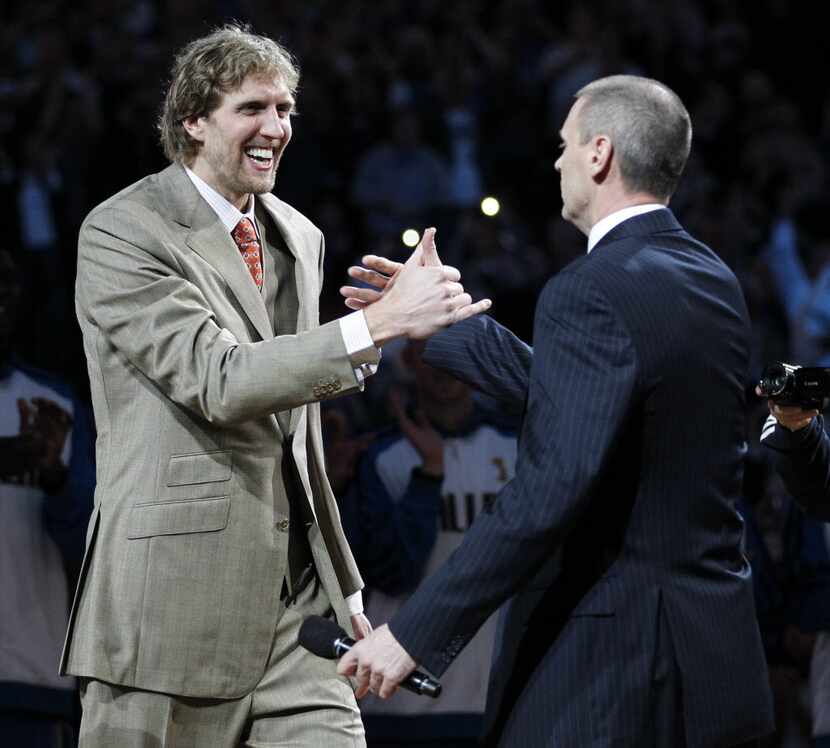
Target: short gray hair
{"type": "Point", "coordinates": [209, 67]}
{"type": "Point", "coordinates": [648, 125]}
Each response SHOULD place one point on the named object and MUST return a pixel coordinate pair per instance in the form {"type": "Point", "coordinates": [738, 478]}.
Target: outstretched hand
{"type": "Point", "coordinates": [382, 274]}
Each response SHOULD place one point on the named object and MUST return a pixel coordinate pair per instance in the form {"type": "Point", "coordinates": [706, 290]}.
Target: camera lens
{"type": "Point", "coordinates": [773, 380]}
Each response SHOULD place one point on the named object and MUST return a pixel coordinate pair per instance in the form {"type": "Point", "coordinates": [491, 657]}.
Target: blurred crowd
{"type": "Point", "coordinates": [410, 112]}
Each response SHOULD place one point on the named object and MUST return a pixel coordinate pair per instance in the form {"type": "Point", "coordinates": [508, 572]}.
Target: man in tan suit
{"type": "Point", "coordinates": [215, 530]}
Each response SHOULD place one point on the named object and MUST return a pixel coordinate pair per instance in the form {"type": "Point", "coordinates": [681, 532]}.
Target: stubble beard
{"type": "Point", "coordinates": [234, 178]}
{"type": "Point", "coordinates": [256, 185]}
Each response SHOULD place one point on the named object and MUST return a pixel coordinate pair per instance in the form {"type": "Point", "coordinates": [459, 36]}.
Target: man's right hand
{"type": "Point", "coordinates": [416, 299]}
{"type": "Point", "coordinates": [791, 417]}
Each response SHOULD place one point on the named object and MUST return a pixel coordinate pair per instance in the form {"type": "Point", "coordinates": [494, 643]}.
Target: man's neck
{"type": "Point", "coordinates": [620, 201]}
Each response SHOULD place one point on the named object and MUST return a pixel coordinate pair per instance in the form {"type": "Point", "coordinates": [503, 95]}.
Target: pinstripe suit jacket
{"type": "Point", "coordinates": [618, 536]}
{"type": "Point", "coordinates": [187, 545]}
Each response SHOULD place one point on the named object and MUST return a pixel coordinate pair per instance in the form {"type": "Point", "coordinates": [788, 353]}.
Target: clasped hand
{"type": "Point", "coordinates": [416, 298]}
{"type": "Point", "coordinates": [378, 663]}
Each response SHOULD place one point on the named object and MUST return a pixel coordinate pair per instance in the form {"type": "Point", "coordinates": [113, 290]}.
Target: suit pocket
{"type": "Point", "coordinates": [202, 467]}
{"type": "Point", "coordinates": [178, 517]}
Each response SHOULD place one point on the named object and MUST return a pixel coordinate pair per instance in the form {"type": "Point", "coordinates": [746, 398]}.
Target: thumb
{"type": "Point", "coordinates": [416, 258]}
{"type": "Point", "coordinates": [428, 249]}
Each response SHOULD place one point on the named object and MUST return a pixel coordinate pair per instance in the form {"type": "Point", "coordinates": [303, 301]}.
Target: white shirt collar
{"type": "Point", "coordinates": [601, 228]}
{"type": "Point", "coordinates": [227, 212]}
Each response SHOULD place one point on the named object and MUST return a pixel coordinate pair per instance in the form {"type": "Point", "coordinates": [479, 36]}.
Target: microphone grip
{"type": "Point", "coordinates": [417, 682]}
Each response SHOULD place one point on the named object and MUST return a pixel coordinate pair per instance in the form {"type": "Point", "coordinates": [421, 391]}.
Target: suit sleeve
{"type": "Point", "coordinates": [582, 385]}
{"type": "Point", "coordinates": [485, 355]}
{"type": "Point", "coordinates": [803, 461]}
{"type": "Point", "coordinates": [135, 296]}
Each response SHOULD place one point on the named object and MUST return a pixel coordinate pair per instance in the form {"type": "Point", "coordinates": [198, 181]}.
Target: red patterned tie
{"type": "Point", "coordinates": [244, 234]}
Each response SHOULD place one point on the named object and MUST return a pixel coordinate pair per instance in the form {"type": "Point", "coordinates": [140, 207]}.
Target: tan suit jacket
{"type": "Point", "coordinates": [187, 546]}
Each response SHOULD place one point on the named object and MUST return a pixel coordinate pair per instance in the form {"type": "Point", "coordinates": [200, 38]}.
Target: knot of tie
{"type": "Point", "coordinates": [244, 234]}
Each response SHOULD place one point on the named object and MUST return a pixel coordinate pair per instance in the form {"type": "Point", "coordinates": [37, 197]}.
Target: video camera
{"type": "Point", "coordinates": [788, 384]}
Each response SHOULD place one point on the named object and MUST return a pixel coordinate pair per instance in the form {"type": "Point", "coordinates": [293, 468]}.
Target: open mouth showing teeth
{"type": "Point", "coordinates": [261, 156]}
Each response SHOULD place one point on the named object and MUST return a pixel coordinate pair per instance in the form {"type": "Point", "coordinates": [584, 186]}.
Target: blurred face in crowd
{"type": "Point", "coordinates": [573, 166]}
{"type": "Point", "coordinates": [242, 140]}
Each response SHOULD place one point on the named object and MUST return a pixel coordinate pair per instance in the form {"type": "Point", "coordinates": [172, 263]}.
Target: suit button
{"type": "Point", "coordinates": [283, 525]}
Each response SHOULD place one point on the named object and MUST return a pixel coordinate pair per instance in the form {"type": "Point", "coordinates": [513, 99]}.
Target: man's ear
{"type": "Point", "coordinates": [601, 155]}
{"type": "Point", "coordinates": [194, 126]}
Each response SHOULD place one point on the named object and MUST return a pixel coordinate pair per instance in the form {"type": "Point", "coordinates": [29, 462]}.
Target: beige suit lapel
{"type": "Point", "coordinates": [306, 273]}
{"type": "Point", "coordinates": [210, 240]}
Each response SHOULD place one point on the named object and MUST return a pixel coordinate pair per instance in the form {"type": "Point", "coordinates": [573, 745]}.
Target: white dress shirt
{"type": "Point", "coordinates": [353, 326]}
{"type": "Point", "coordinates": [601, 228]}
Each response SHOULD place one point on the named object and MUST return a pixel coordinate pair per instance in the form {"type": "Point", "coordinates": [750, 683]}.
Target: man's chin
{"type": "Point", "coordinates": [266, 184]}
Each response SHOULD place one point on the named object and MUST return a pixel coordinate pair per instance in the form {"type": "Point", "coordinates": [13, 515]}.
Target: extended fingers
{"type": "Point", "coordinates": [461, 300]}
{"type": "Point", "coordinates": [454, 288]}
{"type": "Point", "coordinates": [471, 310]}
{"type": "Point", "coordinates": [371, 277]}
{"type": "Point", "coordinates": [381, 264]}
{"type": "Point", "coordinates": [366, 295]}
{"type": "Point", "coordinates": [451, 273]}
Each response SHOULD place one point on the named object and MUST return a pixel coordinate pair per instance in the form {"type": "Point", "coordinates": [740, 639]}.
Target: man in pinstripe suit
{"type": "Point", "coordinates": [643, 633]}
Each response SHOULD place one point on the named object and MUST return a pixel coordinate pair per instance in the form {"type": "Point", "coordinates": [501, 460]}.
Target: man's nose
{"type": "Point", "coordinates": [274, 125]}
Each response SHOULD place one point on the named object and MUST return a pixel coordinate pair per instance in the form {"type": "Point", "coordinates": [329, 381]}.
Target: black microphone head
{"type": "Point", "coordinates": [318, 634]}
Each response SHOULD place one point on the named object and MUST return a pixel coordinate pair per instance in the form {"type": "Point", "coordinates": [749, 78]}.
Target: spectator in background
{"type": "Point", "coordinates": [798, 258]}
{"type": "Point", "coordinates": [401, 182]}
{"type": "Point", "coordinates": [46, 486]}
{"type": "Point", "coordinates": [420, 486]}
{"type": "Point", "coordinates": [801, 446]}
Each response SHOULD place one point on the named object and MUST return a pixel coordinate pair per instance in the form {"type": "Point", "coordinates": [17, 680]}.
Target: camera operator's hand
{"type": "Point", "coordinates": [791, 417]}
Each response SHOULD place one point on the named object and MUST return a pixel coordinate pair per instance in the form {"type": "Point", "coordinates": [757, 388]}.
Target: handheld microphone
{"type": "Point", "coordinates": [326, 639]}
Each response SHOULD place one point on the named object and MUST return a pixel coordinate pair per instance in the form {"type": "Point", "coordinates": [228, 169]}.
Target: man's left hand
{"type": "Point", "coordinates": [361, 626]}
{"type": "Point", "coordinates": [377, 663]}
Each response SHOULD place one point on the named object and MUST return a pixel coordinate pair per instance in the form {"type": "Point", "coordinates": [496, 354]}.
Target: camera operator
{"type": "Point", "coordinates": [802, 446]}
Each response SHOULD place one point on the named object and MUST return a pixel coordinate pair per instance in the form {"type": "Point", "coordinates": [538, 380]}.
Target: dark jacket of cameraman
{"type": "Point", "coordinates": [803, 460]}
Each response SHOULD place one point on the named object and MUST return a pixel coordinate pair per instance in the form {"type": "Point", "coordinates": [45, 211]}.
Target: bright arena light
{"type": "Point", "coordinates": [410, 237]}
{"type": "Point", "coordinates": [490, 206]}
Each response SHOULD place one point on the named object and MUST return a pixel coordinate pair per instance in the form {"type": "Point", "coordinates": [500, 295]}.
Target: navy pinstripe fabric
{"type": "Point", "coordinates": [632, 621]}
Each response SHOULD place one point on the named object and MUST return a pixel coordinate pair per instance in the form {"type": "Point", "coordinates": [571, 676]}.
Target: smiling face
{"type": "Point", "coordinates": [574, 167]}
{"type": "Point", "coordinates": [242, 140]}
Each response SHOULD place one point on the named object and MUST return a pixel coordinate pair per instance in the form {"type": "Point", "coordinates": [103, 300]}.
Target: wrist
{"type": "Point", "coordinates": [382, 324]}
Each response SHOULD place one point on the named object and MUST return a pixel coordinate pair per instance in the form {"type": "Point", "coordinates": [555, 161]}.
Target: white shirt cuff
{"type": "Point", "coordinates": [360, 347]}
{"type": "Point", "coordinates": [354, 603]}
